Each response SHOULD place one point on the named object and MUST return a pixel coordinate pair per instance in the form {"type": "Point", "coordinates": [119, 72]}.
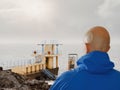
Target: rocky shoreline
{"type": "Point", "coordinates": [13, 81]}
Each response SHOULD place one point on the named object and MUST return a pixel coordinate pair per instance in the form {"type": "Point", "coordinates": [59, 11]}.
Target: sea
{"type": "Point", "coordinates": [12, 55]}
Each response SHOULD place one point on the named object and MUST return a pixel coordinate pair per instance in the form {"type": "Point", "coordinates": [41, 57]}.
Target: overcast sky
{"type": "Point", "coordinates": [31, 21]}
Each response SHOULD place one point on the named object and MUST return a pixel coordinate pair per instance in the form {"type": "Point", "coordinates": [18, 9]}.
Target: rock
{"type": "Point", "coordinates": [13, 81]}
{"type": "Point", "coordinates": [1, 69]}
{"type": "Point", "coordinates": [37, 85]}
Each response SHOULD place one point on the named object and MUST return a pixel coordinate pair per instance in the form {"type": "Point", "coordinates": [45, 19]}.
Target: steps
{"type": "Point", "coordinates": [49, 74]}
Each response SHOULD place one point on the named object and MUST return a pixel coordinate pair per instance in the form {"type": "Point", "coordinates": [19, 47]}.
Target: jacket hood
{"type": "Point", "coordinates": [96, 62]}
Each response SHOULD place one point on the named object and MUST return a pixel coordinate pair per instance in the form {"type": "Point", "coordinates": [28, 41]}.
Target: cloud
{"type": "Point", "coordinates": [109, 8]}
{"type": "Point", "coordinates": [25, 9]}
{"type": "Point", "coordinates": [64, 23]}
{"type": "Point", "coordinates": [35, 20]}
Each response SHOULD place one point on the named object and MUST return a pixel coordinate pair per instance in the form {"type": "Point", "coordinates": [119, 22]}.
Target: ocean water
{"type": "Point", "coordinates": [22, 54]}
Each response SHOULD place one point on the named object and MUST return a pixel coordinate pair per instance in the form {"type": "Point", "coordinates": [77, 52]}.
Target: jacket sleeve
{"type": "Point", "coordinates": [62, 82]}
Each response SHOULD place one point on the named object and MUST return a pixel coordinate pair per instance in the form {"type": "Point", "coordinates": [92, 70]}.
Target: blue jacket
{"type": "Point", "coordinates": [94, 72]}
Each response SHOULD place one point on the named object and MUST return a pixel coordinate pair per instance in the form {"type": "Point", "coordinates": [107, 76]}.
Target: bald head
{"type": "Point", "coordinates": [97, 38]}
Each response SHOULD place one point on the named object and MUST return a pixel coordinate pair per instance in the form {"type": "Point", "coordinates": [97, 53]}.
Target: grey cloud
{"type": "Point", "coordinates": [68, 20]}
{"type": "Point", "coordinates": [110, 8]}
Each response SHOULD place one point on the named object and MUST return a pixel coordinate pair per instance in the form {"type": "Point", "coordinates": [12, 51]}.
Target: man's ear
{"type": "Point", "coordinates": [87, 47]}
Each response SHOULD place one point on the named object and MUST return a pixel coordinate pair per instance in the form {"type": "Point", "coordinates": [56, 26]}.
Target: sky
{"type": "Point", "coordinates": [32, 21]}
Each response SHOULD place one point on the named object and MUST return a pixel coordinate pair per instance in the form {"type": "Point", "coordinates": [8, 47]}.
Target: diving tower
{"type": "Point", "coordinates": [46, 59]}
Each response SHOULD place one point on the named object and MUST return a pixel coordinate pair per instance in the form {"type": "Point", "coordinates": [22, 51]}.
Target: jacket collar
{"type": "Point", "coordinates": [96, 62]}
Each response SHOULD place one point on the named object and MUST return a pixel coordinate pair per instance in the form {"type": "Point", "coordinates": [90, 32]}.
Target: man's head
{"type": "Point", "coordinates": [97, 38]}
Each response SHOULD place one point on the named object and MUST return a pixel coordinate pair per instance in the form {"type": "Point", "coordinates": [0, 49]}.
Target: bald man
{"type": "Point", "coordinates": [95, 70]}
